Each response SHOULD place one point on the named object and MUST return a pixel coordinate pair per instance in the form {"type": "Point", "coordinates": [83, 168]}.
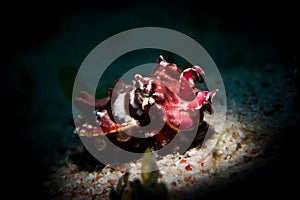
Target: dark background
{"type": "Point", "coordinates": [24, 27]}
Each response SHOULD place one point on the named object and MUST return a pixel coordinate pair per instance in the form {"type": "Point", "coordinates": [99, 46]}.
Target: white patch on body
{"type": "Point", "coordinates": [163, 63]}
{"type": "Point", "coordinates": [131, 99]}
{"type": "Point", "coordinates": [159, 95]}
{"type": "Point", "coordinates": [119, 109]}
{"type": "Point", "coordinates": [100, 114]}
{"type": "Point", "coordinates": [146, 101]}
{"type": "Point", "coordinates": [149, 86]}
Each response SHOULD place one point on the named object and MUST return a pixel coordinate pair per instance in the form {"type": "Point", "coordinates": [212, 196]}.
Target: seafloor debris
{"type": "Point", "coordinates": [147, 188]}
{"type": "Point", "coordinates": [238, 149]}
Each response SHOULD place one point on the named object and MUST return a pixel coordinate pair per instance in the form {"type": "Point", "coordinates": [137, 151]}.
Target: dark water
{"type": "Point", "coordinates": [39, 43]}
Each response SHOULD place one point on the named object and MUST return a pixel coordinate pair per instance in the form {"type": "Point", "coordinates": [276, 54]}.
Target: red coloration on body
{"type": "Point", "coordinates": [169, 93]}
{"type": "Point", "coordinates": [182, 161]}
{"type": "Point", "coordinates": [112, 182]}
{"type": "Point", "coordinates": [104, 191]}
{"type": "Point", "coordinates": [188, 168]}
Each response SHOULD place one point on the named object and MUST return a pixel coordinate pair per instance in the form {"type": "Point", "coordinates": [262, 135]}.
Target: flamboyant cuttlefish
{"type": "Point", "coordinates": [168, 98]}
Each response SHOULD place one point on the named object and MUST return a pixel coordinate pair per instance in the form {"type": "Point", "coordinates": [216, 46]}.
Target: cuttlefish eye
{"type": "Point", "coordinates": [155, 89]}
{"type": "Point", "coordinates": [148, 88]}
{"type": "Point", "coordinates": [159, 93]}
{"type": "Point", "coordinates": [143, 84]}
{"type": "Point", "coordinates": [151, 88]}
